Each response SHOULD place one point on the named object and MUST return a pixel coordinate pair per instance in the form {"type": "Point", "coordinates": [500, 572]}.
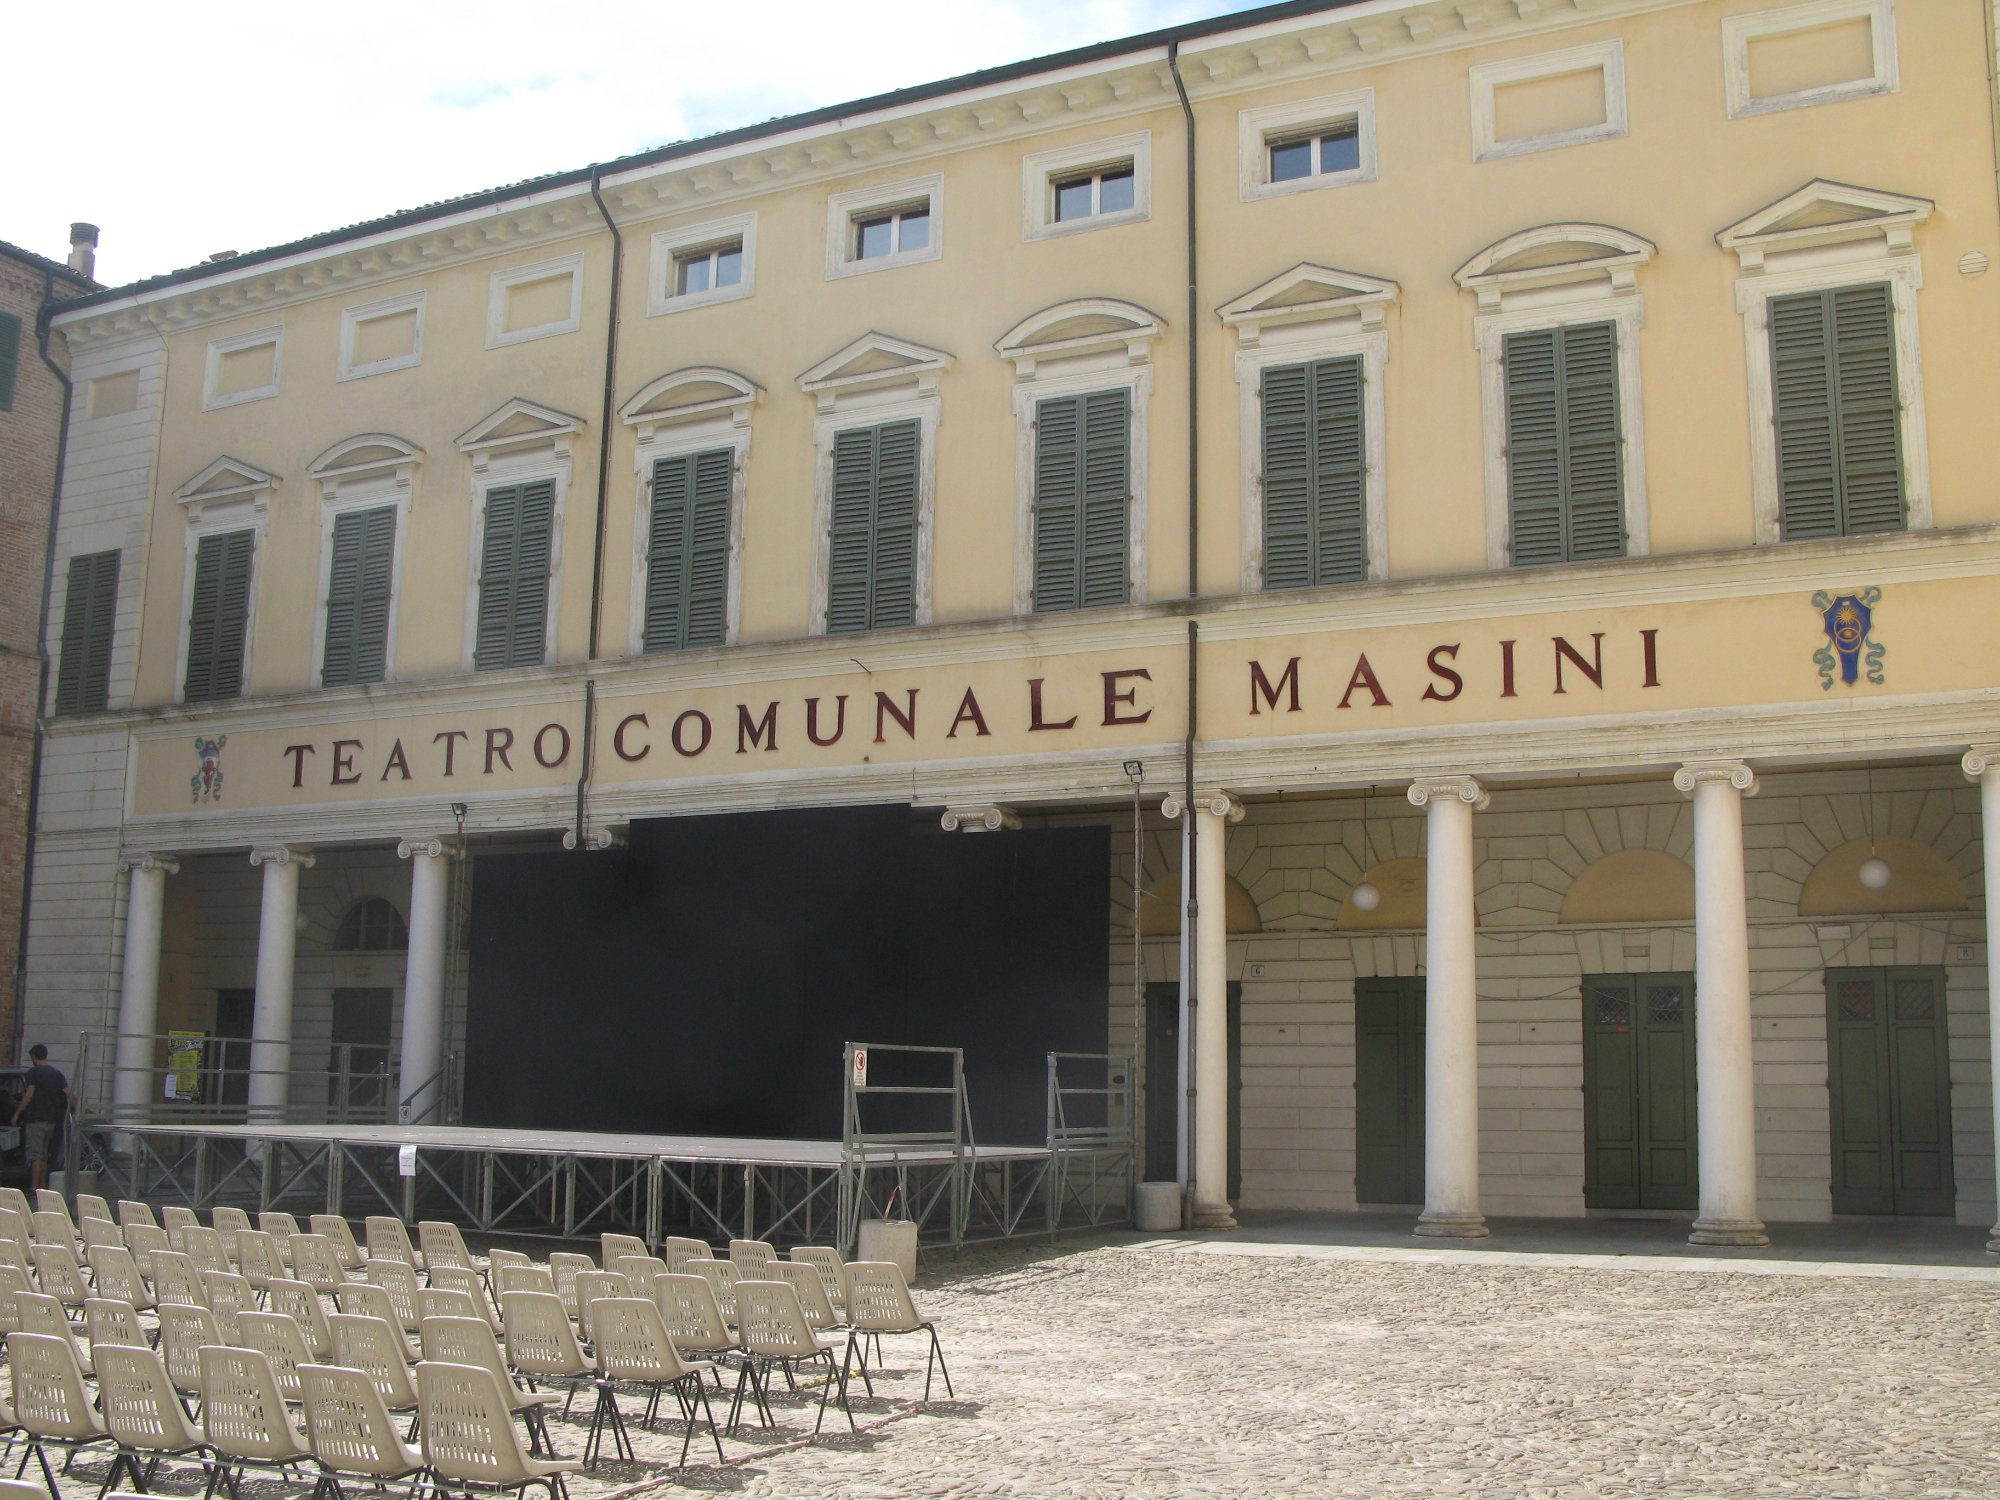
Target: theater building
{"type": "Point", "coordinates": [1511, 486]}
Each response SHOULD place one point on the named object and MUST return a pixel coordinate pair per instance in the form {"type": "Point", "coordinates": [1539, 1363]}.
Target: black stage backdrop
{"type": "Point", "coordinates": [703, 980]}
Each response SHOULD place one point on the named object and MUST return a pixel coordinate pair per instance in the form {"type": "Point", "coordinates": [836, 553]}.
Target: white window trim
{"type": "Point", "coordinates": [212, 370]}
{"type": "Point", "coordinates": [497, 336]}
{"type": "Point", "coordinates": [1487, 78]}
{"type": "Point", "coordinates": [243, 512]}
{"type": "Point", "coordinates": [1738, 32]}
{"type": "Point", "coordinates": [671, 437]}
{"type": "Point", "coordinates": [1255, 129]}
{"type": "Point", "coordinates": [492, 469]}
{"type": "Point", "coordinates": [842, 209]}
{"type": "Point", "coordinates": [369, 488]}
{"type": "Point", "coordinates": [873, 408]}
{"type": "Point", "coordinates": [669, 243]}
{"type": "Point", "coordinates": [1040, 169]}
{"type": "Point", "coordinates": [1077, 377]}
{"type": "Point", "coordinates": [351, 319]}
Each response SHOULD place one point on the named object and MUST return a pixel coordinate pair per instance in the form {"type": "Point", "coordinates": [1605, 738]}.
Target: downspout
{"type": "Point", "coordinates": [1191, 906]}
{"type": "Point", "coordinates": [43, 328]}
{"type": "Point", "coordinates": [1990, 24]}
{"type": "Point", "coordinates": [603, 493]}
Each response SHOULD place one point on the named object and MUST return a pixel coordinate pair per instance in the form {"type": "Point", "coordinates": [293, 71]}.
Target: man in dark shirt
{"type": "Point", "coordinates": [44, 1105]}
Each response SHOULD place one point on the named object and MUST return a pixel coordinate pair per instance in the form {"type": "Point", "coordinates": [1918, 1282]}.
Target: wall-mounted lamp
{"type": "Point", "coordinates": [1367, 895]}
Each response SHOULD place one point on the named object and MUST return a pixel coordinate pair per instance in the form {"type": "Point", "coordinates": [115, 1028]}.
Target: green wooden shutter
{"type": "Point", "coordinates": [1565, 461]}
{"type": "Point", "coordinates": [1083, 493]}
{"type": "Point", "coordinates": [687, 552]}
{"type": "Point", "coordinates": [872, 530]}
{"type": "Point", "coordinates": [1836, 412]}
{"type": "Point", "coordinates": [10, 357]}
{"type": "Point", "coordinates": [514, 576]}
{"type": "Point", "coordinates": [1315, 475]}
{"type": "Point", "coordinates": [90, 609]}
{"type": "Point", "coordinates": [219, 616]}
{"type": "Point", "coordinates": [357, 597]}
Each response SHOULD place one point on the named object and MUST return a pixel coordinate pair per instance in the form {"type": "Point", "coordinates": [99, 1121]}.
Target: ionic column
{"type": "Point", "coordinates": [1982, 764]}
{"type": "Point", "coordinates": [139, 990]}
{"type": "Point", "coordinates": [1725, 1081]}
{"type": "Point", "coordinates": [417, 1081]}
{"type": "Point", "coordinates": [1213, 812]}
{"type": "Point", "coordinates": [277, 943]}
{"type": "Point", "coordinates": [1451, 1009]}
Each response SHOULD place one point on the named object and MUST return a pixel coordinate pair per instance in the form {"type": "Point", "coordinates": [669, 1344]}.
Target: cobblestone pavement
{"type": "Point", "coordinates": [1115, 1371]}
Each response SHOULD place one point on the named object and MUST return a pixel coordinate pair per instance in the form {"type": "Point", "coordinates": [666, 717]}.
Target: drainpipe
{"type": "Point", "coordinates": [603, 492]}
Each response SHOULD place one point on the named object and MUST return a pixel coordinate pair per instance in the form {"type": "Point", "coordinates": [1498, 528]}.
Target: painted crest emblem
{"type": "Point", "coordinates": [206, 783]}
{"type": "Point", "coordinates": [1851, 649]}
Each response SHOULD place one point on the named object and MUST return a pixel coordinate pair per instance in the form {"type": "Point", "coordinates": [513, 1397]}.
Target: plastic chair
{"type": "Point", "coordinates": [495, 1259]}
{"type": "Point", "coordinates": [107, 1321]}
{"type": "Point", "coordinates": [445, 1302]}
{"type": "Point", "coordinates": [721, 1278]}
{"type": "Point", "coordinates": [51, 1403]}
{"type": "Point", "coordinates": [338, 1230]}
{"type": "Point", "coordinates": [46, 1227]}
{"type": "Point", "coordinates": [243, 1416]}
{"type": "Point", "coordinates": [469, 1437]}
{"type": "Point", "coordinates": [98, 1232]}
{"type": "Point", "coordinates": [48, 1200]}
{"type": "Point", "coordinates": [376, 1346]}
{"type": "Point", "coordinates": [184, 1333]}
{"type": "Point", "coordinates": [175, 1279]}
{"type": "Point", "coordinates": [811, 1291]}
{"type": "Point", "coordinates": [693, 1321]}
{"type": "Point", "coordinates": [176, 1219]}
{"type": "Point", "coordinates": [58, 1272]}
{"type": "Point", "coordinates": [228, 1223]}
{"type": "Point", "coordinates": [257, 1259]}
{"type": "Point", "coordinates": [93, 1206]}
{"type": "Point", "coordinates": [117, 1275]}
{"type": "Point", "coordinates": [13, 1281]}
{"type": "Point", "coordinates": [541, 1344]}
{"type": "Point", "coordinates": [446, 1278]}
{"type": "Point", "coordinates": [528, 1278]}
{"type": "Point", "coordinates": [879, 1302]}
{"type": "Point", "coordinates": [469, 1341]}
{"type": "Point", "coordinates": [367, 1300]}
{"type": "Point", "coordinates": [280, 1226]}
{"type": "Point", "coordinates": [633, 1347]}
{"type": "Point", "coordinates": [203, 1246]}
{"type": "Point", "coordinates": [775, 1332]}
{"type": "Point", "coordinates": [14, 1225]}
{"type": "Point", "coordinates": [388, 1239]}
{"type": "Point", "coordinates": [229, 1297]}
{"type": "Point", "coordinates": [14, 1198]}
{"type": "Point", "coordinates": [610, 1246]}
{"type": "Point", "coordinates": [750, 1257]}
{"type": "Point", "coordinates": [315, 1261]}
{"type": "Point", "coordinates": [832, 1271]}
{"type": "Point", "coordinates": [399, 1280]}
{"type": "Point", "coordinates": [565, 1266]}
{"type": "Point", "coordinates": [639, 1271]}
{"type": "Point", "coordinates": [144, 1241]}
{"type": "Point", "coordinates": [351, 1432]}
{"type": "Point", "coordinates": [15, 1253]}
{"type": "Point", "coordinates": [131, 1211]}
{"type": "Point", "coordinates": [281, 1340]}
{"type": "Point", "coordinates": [40, 1313]}
{"type": "Point", "coordinates": [678, 1250]}
{"type": "Point", "coordinates": [443, 1245]}
{"type": "Point", "coordinates": [591, 1285]}
{"type": "Point", "coordinates": [301, 1304]}
{"type": "Point", "coordinates": [144, 1415]}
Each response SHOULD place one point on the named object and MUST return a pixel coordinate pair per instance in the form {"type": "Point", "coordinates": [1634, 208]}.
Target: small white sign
{"type": "Point", "coordinates": [861, 1067]}
{"type": "Point", "coordinates": [406, 1160]}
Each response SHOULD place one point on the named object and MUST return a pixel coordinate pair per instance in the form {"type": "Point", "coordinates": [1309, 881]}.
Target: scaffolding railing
{"type": "Point", "coordinates": [925, 1161]}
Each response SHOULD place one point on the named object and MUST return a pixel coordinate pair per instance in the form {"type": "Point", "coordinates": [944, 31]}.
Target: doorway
{"type": "Point", "coordinates": [1163, 1051]}
{"type": "Point", "coordinates": [1389, 1090]}
{"type": "Point", "coordinates": [1890, 1088]}
{"type": "Point", "coordinates": [235, 1011]}
{"type": "Point", "coordinates": [1638, 1091]}
{"type": "Point", "coordinates": [358, 1088]}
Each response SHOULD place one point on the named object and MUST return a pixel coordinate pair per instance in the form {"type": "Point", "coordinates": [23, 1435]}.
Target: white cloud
{"type": "Point", "coordinates": [184, 136]}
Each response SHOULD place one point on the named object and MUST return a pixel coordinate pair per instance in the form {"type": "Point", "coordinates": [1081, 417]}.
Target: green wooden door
{"type": "Point", "coordinates": [1890, 1085]}
{"type": "Point", "coordinates": [1163, 1050]}
{"type": "Point", "coordinates": [1389, 1090]}
{"type": "Point", "coordinates": [1638, 1091]}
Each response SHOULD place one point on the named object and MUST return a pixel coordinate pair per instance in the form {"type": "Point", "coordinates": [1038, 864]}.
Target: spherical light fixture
{"type": "Point", "coordinates": [1365, 896]}
{"type": "Point", "coordinates": [1875, 872]}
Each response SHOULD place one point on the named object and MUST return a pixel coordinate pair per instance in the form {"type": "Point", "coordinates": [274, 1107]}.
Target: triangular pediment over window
{"type": "Point", "coordinates": [1826, 213]}
{"type": "Point", "coordinates": [518, 421]}
{"type": "Point", "coordinates": [873, 360]}
{"type": "Point", "coordinates": [1556, 255]}
{"type": "Point", "coordinates": [225, 480]}
{"type": "Point", "coordinates": [1084, 327]}
{"type": "Point", "coordinates": [1308, 294]}
{"type": "Point", "coordinates": [367, 452]}
{"type": "Point", "coordinates": [698, 391]}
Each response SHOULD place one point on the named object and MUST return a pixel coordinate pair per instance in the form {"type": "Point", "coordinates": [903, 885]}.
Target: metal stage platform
{"type": "Point", "coordinates": [578, 1183]}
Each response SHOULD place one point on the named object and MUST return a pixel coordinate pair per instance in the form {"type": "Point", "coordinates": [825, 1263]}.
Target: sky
{"type": "Point", "coordinates": [182, 130]}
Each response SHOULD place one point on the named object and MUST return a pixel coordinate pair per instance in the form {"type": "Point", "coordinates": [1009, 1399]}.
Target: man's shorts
{"type": "Point", "coordinates": [35, 1138]}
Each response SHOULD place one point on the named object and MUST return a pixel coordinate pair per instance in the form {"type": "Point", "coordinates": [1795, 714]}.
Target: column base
{"type": "Point", "coordinates": [1443, 1226]}
{"type": "Point", "coordinates": [1729, 1232]}
{"type": "Point", "coordinates": [1211, 1216]}
{"type": "Point", "coordinates": [1993, 1240]}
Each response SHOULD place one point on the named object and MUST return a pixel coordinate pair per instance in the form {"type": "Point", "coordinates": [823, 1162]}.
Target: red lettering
{"type": "Point", "coordinates": [1506, 669]}
{"type": "Point", "coordinates": [1444, 673]}
{"type": "Point", "coordinates": [968, 713]}
{"type": "Point", "coordinates": [450, 749]}
{"type": "Point", "coordinates": [618, 738]}
{"type": "Point", "coordinates": [1035, 719]}
{"type": "Point", "coordinates": [298, 753]}
{"type": "Point", "coordinates": [397, 761]}
{"type": "Point", "coordinates": [885, 709]}
{"type": "Point", "coordinates": [1130, 696]}
{"type": "Point", "coordinates": [498, 743]}
{"type": "Point", "coordinates": [541, 735]}
{"type": "Point", "coordinates": [756, 731]}
{"type": "Point", "coordinates": [839, 720]}
{"type": "Point", "coordinates": [1593, 669]}
{"type": "Point", "coordinates": [1364, 676]}
{"type": "Point", "coordinates": [344, 770]}
{"type": "Point", "coordinates": [707, 732]}
{"type": "Point", "coordinates": [1260, 684]}
{"type": "Point", "coordinates": [1650, 639]}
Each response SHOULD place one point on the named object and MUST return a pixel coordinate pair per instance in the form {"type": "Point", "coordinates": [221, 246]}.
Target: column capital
{"type": "Point", "coordinates": [980, 817]}
{"type": "Point", "coordinates": [145, 859]}
{"type": "Point", "coordinates": [1979, 760]}
{"type": "Point", "coordinates": [1214, 801]}
{"type": "Point", "coordinates": [430, 845]}
{"type": "Point", "coordinates": [1444, 788]}
{"type": "Point", "coordinates": [1736, 773]}
{"type": "Point", "coordinates": [282, 854]}
{"type": "Point", "coordinates": [597, 839]}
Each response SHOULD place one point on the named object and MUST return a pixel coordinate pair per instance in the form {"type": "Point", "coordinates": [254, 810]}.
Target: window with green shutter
{"type": "Point", "coordinates": [687, 550]}
{"type": "Point", "coordinates": [871, 573]}
{"type": "Point", "coordinates": [90, 612]}
{"type": "Point", "coordinates": [1565, 459]}
{"type": "Point", "coordinates": [1836, 413]}
{"type": "Point", "coordinates": [1083, 500]}
{"type": "Point", "coordinates": [357, 597]}
{"type": "Point", "coordinates": [219, 616]}
{"type": "Point", "coordinates": [10, 357]}
{"type": "Point", "coordinates": [514, 576]}
{"type": "Point", "coordinates": [1315, 475]}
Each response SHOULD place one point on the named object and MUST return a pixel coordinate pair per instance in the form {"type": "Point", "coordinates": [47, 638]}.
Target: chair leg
{"type": "Point", "coordinates": [48, 1474]}
{"type": "Point", "coordinates": [709, 1413]}
{"type": "Point", "coordinates": [844, 1406]}
{"type": "Point", "coordinates": [819, 1420]}
{"type": "Point", "coordinates": [859, 1341]}
{"type": "Point", "coordinates": [937, 1353]}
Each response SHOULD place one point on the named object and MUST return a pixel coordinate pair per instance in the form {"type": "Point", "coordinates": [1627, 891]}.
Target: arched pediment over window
{"type": "Point", "coordinates": [697, 391]}
{"type": "Point", "coordinates": [1555, 255]}
{"type": "Point", "coordinates": [365, 453]}
{"type": "Point", "coordinates": [1084, 326]}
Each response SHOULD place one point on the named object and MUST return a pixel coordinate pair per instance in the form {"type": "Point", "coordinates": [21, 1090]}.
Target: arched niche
{"type": "Point", "coordinates": [1919, 880]}
{"type": "Point", "coordinates": [1160, 908]}
{"type": "Point", "coordinates": [1633, 885]}
{"type": "Point", "coordinates": [1401, 882]}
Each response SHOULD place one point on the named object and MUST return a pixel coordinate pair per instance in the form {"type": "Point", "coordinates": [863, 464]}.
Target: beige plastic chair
{"type": "Point", "coordinates": [117, 1275]}
{"type": "Point", "coordinates": [301, 1304]}
{"type": "Point", "coordinates": [338, 1230]}
{"type": "Point", "coordinates": [203, 1246]}
{"type": "Point", "coordinates": [541, 1344]}
{"type": "Point", "coordinates": [528, 1278]}
{"type": "Point", "coordinates": [229, 1296]}
{"type": "Point", "coordinates": [693, 1321]}
{"type": "Point", "coordinates": [93, 1206]}
{"type": "Point", "coordinates": [750, 1257]}
{"type": "Point", "coordinates": [468, 1341]}
{"type": "Point", "coordinates": [497, 1258]}
{"type": "Point", "coordinates": [51, 1403]}
{"type": "Point", "coordinates": [610, 1246]}
{"type": "Point", "coordinates": [143, 1413]}
{"type": "Point", "coordinates": [257, 1259]}
{"type": "Point", "coordinates": [184, 1333]}
{"type": "Point", "coordinates": [280, 1226]}
{"type": "Point", "coordinates": [15, 1253]}
{"type": "Point", "coordinates": [678, 1250]}
{"type": "Point", "coordinates": [721, 1278]}
{"type": "Point", "coordinates": [376, 1346]}
{"type": "Point", "coordinates": [315, 1261]}
{"type": "Point", "coordinates": [51, 1201]}
{"type": "Point", "coordinates": [388, 1239]}
{"type": "Point", "coordinates": [46, 1227]}
{"type": "Point", "coordinates": [634, 1348]}
{"type": "Point", "coordinates": [107, 1321]}
{"type": "Point", "coordinates": [176, 1218]}
{"type": "Point", "coordinates": [565, 1266]}
{"type": "Point", "coordinates": [469, 1437]}
{"type": "Point", "coordinates": [351, 1432]}
{"type": "Point", "coordinates": [445, 1302]}
{"type": "Point", "coordinates": [775, 1332]}
{"type": "Point", "coordinates": [281, 1339]}
{"type": "Point", "coordinates": [445, 1278]}
{"type": "Point", "coordinates": [367, 1300]}
{"type": "Point", "coordinates": [244, 1418]}
{"type": "Point", "coordinates": [228, 1223]}
{"type": "Point", "coordinates": [442, 1245]}
{"type": "Point", "coordinates": [14, 1225]}
{"type": "Point", "coordinates": [175, 1279]}
{"type": "Point", "coordinates": [144, 1241]}
{"type": "Point", "coordinates": [811, 1291]}
{"type": "Point", "coordinates": [13, 1281]}
{"type": "Point", "coordinates": [42, 1314]}
{"type": "Point", "coordinates": [60, 1274]}
{"type": "Point", "coordinates": [832, 1271]}
{"type": "Point", "coordinates": [131, 1211]}
{"type": "Point", "coordinates": [640, 1270]}
{"type": "Point", "coordinates": [591, 1285]}
{"type": "Point", "coordinates": [99, 1232]}
{"type": "Point", "coordinates": [879, 1302]}
{"type": "Point", "coordinates": [14, 1198]}
{"type": "Point", "coordinates": [399, 1280]}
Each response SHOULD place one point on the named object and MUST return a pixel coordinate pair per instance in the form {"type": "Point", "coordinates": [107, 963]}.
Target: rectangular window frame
{"type": "Point", "coordinates": [11, 338]}
{"type": "Point", "coordinates": [498, 336]}
{"type": "Point", "coordinates": [90, 694]}
{"type": "Point", "coordinates": [351, 319]}
{"type": "Point", "coordinates": [668, 245]}
{"type": "Point", "coordinates": [1738, 32]}
{"type": "Point", "coordinates": [1257, 129]}
{"type": "Point", "coordinates": [856, 411]}
{"type": "Point", "coordinates": [1487, 79]}
{"type": "Point", "coordinates": [845, 211]}
{"type": "Point", "coordinates": [1041, 171]}
{"type": "Point", "coordinates": [722, 431]}
{"type": "Point", "coordinates": [500, 471]}
{"type": "Point", "coordinates": [233, 343]}
{"type": "Point", "coordinates": [1080, 377]}
{"type": "Point", "coordinates": [388, 491]}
